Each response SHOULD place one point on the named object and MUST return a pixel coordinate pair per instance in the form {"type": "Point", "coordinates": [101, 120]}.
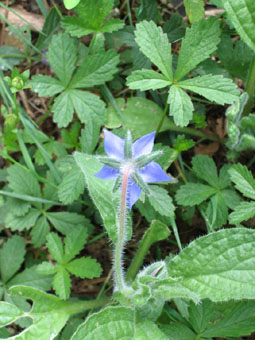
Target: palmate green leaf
{"type": "Point", "coordinates": [63, 109]}
{"type": "Point", "coordinates": [231, 198]}
{"type": "Point", "coordinates": [192, 194]}
{"type": "Point", "coordinates": [201, 314]}
{"type": "Point", "coordinates": [174, 27]}
{"type": "Point", "coordinates": [11, 257]}
{"type": "Point", "coordinates": [242, 15]}
{"type": "Point", "coordinates": [147, 80]}
{"type": "Point", "coordinates": [96, 69]}
{"type": "Point", "coordinates": [200, 41]}
{"type": "Point", "coordinates": [89, 137]}
{"type": "Point", "coordinates": [64, 221]}
{"type": "Point", "coordinates": [55, 246]}
{"type": "Point", "coordinates": [46, 268]}
{"type": "Point", "coordinates": [62, 56]}
{"type": "Point", "coordinates": [217, 211]}
{"type": "Point", "coordinates": [76, 27]}
{"type": "Point", "coordinates": [181, 107]}
{"type": "Point", "coordinates": [114, 323]}
{"type": "Point", "coordinates": [22, 222]}
{"type": "Point", "coordinates": [100, 191]}
{"type": "Point", "coordinates": [213, 87]}
{"type": "Point", "coordinates": [194, 9]}
{"type": "Point", "coordinates": [62, 283]}
{"type": "Point", "coordinates": [112, 25]}
{"type": "Point", "coordinates": [40, 231]}
{"type": "Point", "coordinates": [8, 313]}
{"type": "Point", "coordinates": [219, 266]}
{"type": "Point", "coordinates": [18, 206]}
{"type": "Point", "coordinates": [155, 45]}
{"type": "Point", "coordinates": [74, 242]}
{"type": "Point", "coordinates": [242, 212]}
{"type": "Point", "coordinates": [243, 180]}
{"type": "Point", "coordinates": [84, 267]}
{"type": "Point", "coordinates": [205, 168]}
{"type": "Point", "coordinates": [177, 331]}
{"type": "Point", "coordinates": [45, 85]}
{"type": "Point", "coordinates": [161, 201]}
{"type": "Point", "coordinates": [93, 12]}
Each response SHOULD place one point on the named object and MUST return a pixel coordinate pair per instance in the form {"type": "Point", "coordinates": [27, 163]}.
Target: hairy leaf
{"type": "Point", "coordinates": [85, 267]}
{"type": "Point", "coordinates": [243, 180]}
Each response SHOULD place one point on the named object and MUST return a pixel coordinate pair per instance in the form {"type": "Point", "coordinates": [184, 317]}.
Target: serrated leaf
{"type": "Point", "coordinates": [89, 136]}
{"type": "Point", "coordinates": [74, 242]}
{"type": "Point", "coordinates": [161, 201]}
{"type": "Point", "coordinates": [192, 194]}
{"type": "Point", "coordinates": [213, 87]}
{"type": "Point", "coordinates": [217, 211]}
{"type": "Point", "coordinates": [9, 313]}
{"type": "Point", "coordinates": [45, 85]}
{"type": "Point", "coordinates": [62, 283]}
{"type": "Point", "coordinates": [112, 25]}
{"type": "Point", "coordinates": [181, 107]}
{"type": "Point", "coordinates": [72, 186]}
{"type": "Point", "coordinates": [200, 315]}
{"type": "Point", "coordinates": [64, 221]}
{"type": "Point", "coordinates": [22, 222]}
{"type": "Point", "coordinates": [242, 212]}
{"type": "Point", "coordinates": [147, 80]}
{"type": "Point", "coordinates": [200, 41]}
{"type": "Point", "coordinates": [183, 144]}
{"type": "Point", "coordinates": [63, 109]}
{"type": "Point", "coordinates": [205, 168]}
{"type": "Point", "coordinates": [92, 12]}
{"type": "Point", "coordinates": [177, 331]}
{"type": "Point", "coordinates": [62, 56]}
{"type": "Point", "coordinates": [96, 69]}
{"type": "Point", "coordinates": [40, 231]}
{"type": "Point", "coordinates": [242, 15]}
{"type": "Point", "coordinates": [114, 323]}
{"type": "Point", "coordinates": [224, 177]}
{"type": "Point", "coordinates": [55, 246]}
{"type": "Point", "coordinates": [243, 180]}
{"type": "Point", "coordinates": [174, 27]}
{"type": "Point", "coordinates": [84, 267]}
{"type": "Point", "coordinates": [194, 9]}
{"type": "Point", "coordinates": [17, 206]}
{"type": "Point", "coordinates": [231, 198]}
{"type": "Point", "coordinates": [75, 27]}
{"type": "Point", "coordinates": [69, 4]}
{"type": "Point", "coordinates": [46, 268]}
{"type": "Point", "coordinates": [11, 257]}
{"type": "Point", "coordinates": [155, 45]}
{"type": "Point", "coordinates": [88, 106]}
{"type": "Point", "coordinates": [219, 266]}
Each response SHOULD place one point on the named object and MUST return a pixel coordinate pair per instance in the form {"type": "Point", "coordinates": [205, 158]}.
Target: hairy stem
{"type": "Point", "coordinates": [118, 254]}
{"type": "Point", "coordinates": [250, 87]}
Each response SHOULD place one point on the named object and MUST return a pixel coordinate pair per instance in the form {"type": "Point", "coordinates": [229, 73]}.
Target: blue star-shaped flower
{"type": "Point", "coordinates": [135, 159]}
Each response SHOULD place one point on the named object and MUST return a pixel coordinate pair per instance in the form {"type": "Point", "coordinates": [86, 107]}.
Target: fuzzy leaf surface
{"type": "Point", "coordinates": [161, 201]}
{"type": "Point", "coordinates": [242, 212]}
{"type": "Point", "coordinates": [85, 267]}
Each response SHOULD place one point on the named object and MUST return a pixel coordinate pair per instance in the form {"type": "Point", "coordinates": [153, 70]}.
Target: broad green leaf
{"type": "Point", "coordinates": [100, 191]}
{"type": "Point", "coordinates": [177, 331]}
{"type": "Point", "coordinates": [72, 185]}
{"type": "Point", "coordinates": [213, 87]}
{"type": "Point", "coordinates": [22, 222]}
{"type": "Point", "coordinates": [63, 109]}
{"type": "Point", "coordinates": [89, 136]}
{"type": "Point", "coordinates": [200, 315]}
{"type": "Point", "coordinates": [62, 283]}
{"type": "Point", "coordinates": [69, 4]}
{"type": "Point", "coordinates": [112, 25]}
{"type": "Point", "coordinates": [40, 231]}
{"type": "Point", "coordinates": [9, 313]}
{"type": "Point", "coordinates": [46, 268]}
{"type": "Point", "coordinates": [115, 323]}
{"type": "Point", "coordinates": [200, 41]}
{"type": "Point", "coordinates": [243, 180]}
{"type": "Point", "coordinates": [194, 9]}
{"type": "Point", "coordinates": [45, 85]}
{"type": "Point", "coordinates": [242, 212]}
{"type": "Point", "coordinates": [219, 266]}
{"type": "Point", "coordinates": [231, 198]}
{"type": "Point", "coordinates": [96, 69]}
{"type": "Point", "coordinates": [22, 181]}
{"type": "Point", "coordinates": [11, 257]}
{"type": "Point", "coordinates": [30, 277]}
{"type": "Point", "coordinates": [64, 221]}
{"type": "Point", "coordinates": [217, 211]}
{"type": "Point", "coordinates": [181, 107]}
{"type": "Point", "coordinates": [55, 246]}
{"type": "Point", "coordinates": [194, 193]}
{"type": "Point", "coordinates": [75, 27]}
{"type": "Point", "coordinates": [18, 206]}
{"type": "Point", "coordinates": [84, 267]}
{"type": "Point", "coordinates": [242, 15]}
{"type": "Point", "coordinates": [239, 321]}
{"type": "Point", "coordinates": [161, 201]}
{"type": "Point", "coordinates": [205, 168]}
{"type": "Point", "coordinates": [147, 80]}
{"type": "Point", "coordinates": [183, 144]}
{"type": "Point", "coordinates": [224, 177]}
{"type": "Point", "coordinates": [74, 242]}
{"type": "Point", "coordinates": [62, 56]}
{"type": "Point", "coordinates": [155, 45]}
{"type": "Point", "coordinates": [88, 106]}
{"type": "Point", "coordinates": [92, 12]}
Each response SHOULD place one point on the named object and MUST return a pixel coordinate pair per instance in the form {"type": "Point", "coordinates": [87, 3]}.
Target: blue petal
{"type": "Point", "coordinates": [153, 173]}
{"type": "Point", "coordinates": [134, 192]}
{"type": "Point", "coordinates": [143, 145]}
{"type": "Point", "coordinates": [113, 145]}
{"type": "Point", "coordinates": [107, 173]}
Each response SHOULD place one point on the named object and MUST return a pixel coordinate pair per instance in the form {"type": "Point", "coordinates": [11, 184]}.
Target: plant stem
{"type": "Point", "coordinates": [129, 14]}
{"type": "Point", "coordinates": [162, 119]}
{"type": "Point", "coordinates": [118, 254]}
{"type": "Point", "coordinates": [176, 234]}
{"type": "Point", "coordinates": [250, 87]}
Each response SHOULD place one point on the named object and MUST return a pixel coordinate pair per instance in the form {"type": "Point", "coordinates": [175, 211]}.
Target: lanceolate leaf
{"type": "Point", "coordinates": [243, 180]}
{"type": "Point", "coordinates": [63, 109]}
{"type": "Point", "coordinates": [219, 266]}
{"type": "Point", "coordinates": [242, 15]}
{"type": "Point", "coordinates": [194, 193]}
{"type": "Point", "coordinates": [213, 87]}
{"type": "Point", "coordinates": [205, 168]}
{"type": "Point", "coordinates": [242, 212]}
{"type": "Point", "coordinates": [155, 45]}
{"type": "Point", "coordinates": [147, 80]}
{"type": "Point", "coordinates": [45, 85]}
{"type": "Point", "coordinates": [200, 41]}
{"type": "Point", "coordinates": [181, 107]}
{"type": "Point", "coordinates": [194, 9]}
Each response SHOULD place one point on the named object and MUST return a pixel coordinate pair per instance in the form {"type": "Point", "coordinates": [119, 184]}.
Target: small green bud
{"type": "Point", "coordinates": [11, 121]}
{"type": "Point", "coordinates": [17, 83]}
